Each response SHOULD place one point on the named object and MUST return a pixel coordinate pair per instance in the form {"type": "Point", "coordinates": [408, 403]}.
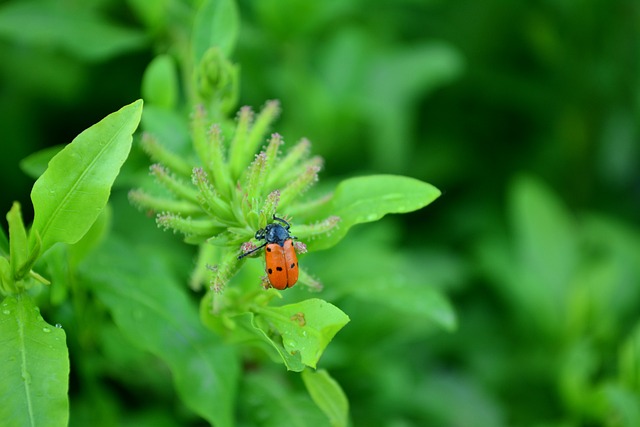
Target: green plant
{"type": "Point", "coordinates": [216, 192]}
{"type": "Point", "coordinates": [67, 200]}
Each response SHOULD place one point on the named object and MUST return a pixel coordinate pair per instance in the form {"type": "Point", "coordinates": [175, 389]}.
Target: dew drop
{"type": "Point", "coordinates": [5, 311]}
{"type": "Point", "coordinates": [58, 325]}
{"type": "Point", "coordinates": [46, 330]}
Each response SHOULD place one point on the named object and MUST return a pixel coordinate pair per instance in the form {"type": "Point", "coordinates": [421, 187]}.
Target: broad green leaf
{"type": "Point", "coordinates": [160, 82]}
{"type": "Point", "coordinates": [306, 327]}
{"type": "Point", "coordinates": [35, 367]}
{"type": "Point", "coordinates": [239, 326]}
{"type": "Point", "coordinates": [268, 401]}
{"type": "Point", "coordinates": [70, 29]}
{"type": "Point", "coordinates": [216, 24]}
{"type": "Point", "coordinates": [328, 395]}
{"type": "Point", "coordinates": [369, 198]}
{"type": "Point", "coordinates": [296, 333]}
{"type": "Point", "coordinates": [35, 164]}
{"type": "Point", "coordinates": [544, 232]}
{"type": "Point", "coordinates": [74, 189]}
{"type": "Point", "coordinates": [17, 240]}
{"type": "Point", "coordinates": [413, 299]}
{"type": "Point", "coordinates": [152, 309]}
{"type": "Point", "coordinates": [400, 283]}
{"type": "Point", "coordinates": [546, 252]}
{"type": "Point", "coordinates": [256, 326]}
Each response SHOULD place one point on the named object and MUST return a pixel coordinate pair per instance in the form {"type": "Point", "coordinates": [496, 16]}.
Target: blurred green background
{"type": "Point", "coordinates": [525, 114]}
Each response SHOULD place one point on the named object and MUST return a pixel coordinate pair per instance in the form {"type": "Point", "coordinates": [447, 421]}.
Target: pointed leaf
{"type": "Point", "coordinates": [306, 327]}
{"type": "Point", "coordinates": [35, 367]}
{"type": "Point", "coordinates": [328, 395]}
{"type": "Point", "coordinates": [369, 198]}
{"type": "Point", "coordinates": [73, 190]}
{"type": "Point", "coordinates": [17, 239]}
{"type": "Point", "coordinates": [545, 233]}
{"type": "Point", "coordinates": [160, 82]}
{"type": "Point", "coordinates": [546, 251]}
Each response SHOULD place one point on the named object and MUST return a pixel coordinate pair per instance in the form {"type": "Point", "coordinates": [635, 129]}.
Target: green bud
{"type": "Point", "coordinates": [145, 201]}
{"type": "Point", "coordinates": [216, 80]}
{"type": "Point", "coordinates": [160, 154]}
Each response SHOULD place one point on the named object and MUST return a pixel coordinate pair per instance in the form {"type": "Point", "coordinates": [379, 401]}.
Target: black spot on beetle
{"type": "Point", "coordinates": [270, 271]}
{"type": "Point", "coordinates": [279, 268]}
{"type": "Point", "coordinates": [268, 249]}
{"type": "Point", "coordinates": [292, 265]}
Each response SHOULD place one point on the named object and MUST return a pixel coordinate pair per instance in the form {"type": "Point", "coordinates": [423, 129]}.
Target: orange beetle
{"type": "Point", "coordinates": [281, 259]}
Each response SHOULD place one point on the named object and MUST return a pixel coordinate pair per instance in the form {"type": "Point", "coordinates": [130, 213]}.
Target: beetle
{"type": "Point", "coordinates": [280, 255]}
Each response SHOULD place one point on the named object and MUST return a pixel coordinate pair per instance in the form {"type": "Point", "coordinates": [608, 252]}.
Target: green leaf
{"type": "Point", "coordinates": [160, 82]}
{"type": "Point", "coordinates": [306, 327]}
{"type": "Point", "coordinates": [260, 330]}
{"type": "Point", "coordinates": [296, 333]}
{"type": "Point", "coordinates": [546, 251]}
{"type": "Point", "coordinates": [367, 199]}
{"type": "Point", "coordinates": [18, 241]}
{"type": "Point", "coordinates": [544, 232]}
{"type": "Point", "coordinates": [328, 395]}
{"type": "Point", "coordinates": [35, 164]}
{"type": "Point", "coordinates": [70, 29]}
{"type": "Point", "coordinates": [399, 283]}
{"type": "Point", "coordinates": [74, 189]}
{"type": "Point", "coordinates": [35, 367]}
{"type": "Point", "coordinates": [268, 401]}
{"type": "Point", "coordinates": [216, 24]}
{"type": "Point", "coordinates": [154, 312]}
{"type": "Point", "coordinates": [414, 299]}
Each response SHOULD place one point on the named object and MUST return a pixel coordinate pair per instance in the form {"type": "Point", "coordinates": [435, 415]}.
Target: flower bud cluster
{"type": "Point", "coordinates": [231, 192]}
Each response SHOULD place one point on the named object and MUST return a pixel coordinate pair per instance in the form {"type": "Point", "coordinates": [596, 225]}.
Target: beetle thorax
{"type": "Point", "coordinates": [275, 233]}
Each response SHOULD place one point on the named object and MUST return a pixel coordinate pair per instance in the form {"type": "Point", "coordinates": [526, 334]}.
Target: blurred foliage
{"type": "Point", "coordinates": [526, 114]}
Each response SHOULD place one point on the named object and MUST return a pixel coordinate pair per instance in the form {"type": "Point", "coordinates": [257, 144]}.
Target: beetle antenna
{"type": "Point", "coordinates": [251, 251]}
{"type": "Point", "coordinates": [287, 225]}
